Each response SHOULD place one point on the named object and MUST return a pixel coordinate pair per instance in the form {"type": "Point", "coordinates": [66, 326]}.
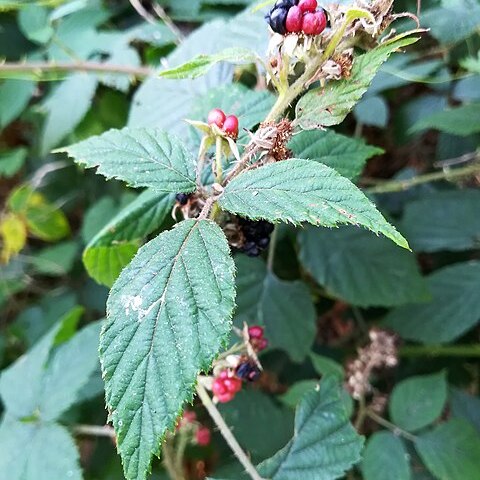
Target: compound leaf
{"type": "Point", "coordinates": [168, 315]}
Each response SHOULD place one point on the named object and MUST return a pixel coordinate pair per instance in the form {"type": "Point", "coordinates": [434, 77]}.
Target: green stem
{"type": "Point", "coordinates": [37, 69]}
{"type": "Point", "coordinates": [218, 160]}
{"type": "Point", "coordinates": [168, 454]}
{"type": "Point", "coordinates": [440, 351]}
{"type": "Point", "coordinates": [226, 432]}
{"type": "Point", "coordinates": [401, 185]}
{"type": "Point", "coordinates": [180, 450]}
{"type": "Point", "coordinates": [271, 249]}
{"type": "Point", "coordinates": [361, 414]}
{"type": "Point", "coordinates": [390, 426]}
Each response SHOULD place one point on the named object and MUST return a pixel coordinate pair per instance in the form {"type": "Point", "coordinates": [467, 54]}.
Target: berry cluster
{"type": "Point", "coordinates": [257, 236]}
{"type": "Point", "coordinates": [189, 424]}
{"type": "Point", "coordinates": [226, 386]}
{"type": "Point", "coordinates": [228, 381]}
{"type": "Point", "coordinates": [229, 124]}
{"type": "Point", "coordinates": [256, 337]}
{"type": "Point", "coordinates": [295, 16]}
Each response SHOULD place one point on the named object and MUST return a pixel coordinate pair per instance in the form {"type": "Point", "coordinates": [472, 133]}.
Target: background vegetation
{"type": "Point", "coordinates": [78, 68]}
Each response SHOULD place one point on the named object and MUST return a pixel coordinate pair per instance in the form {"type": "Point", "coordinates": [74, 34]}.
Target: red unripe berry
{"type": "Point", "coordinates": [189, 416]}
{"type": "Point", "coordinates": [322, 21]}
{"type": "Point", "coordinates": [233, 384]}
{"type": "Point", "coordinates": [217, 117]}
{"type": "Point", "coordinates": [219, 387]}
{"type": "Point", "coordinates": [225, 397]}
{"type": "Point", "coordinates": [255, 331]}
{"type": "Point", "coordinates": [230, 126]}
{"type": "Point", "coordinates": [261, 343]}
{"type": "Point", "coordinates": [223, 374]}
{"type": "Point", "coordinates": [294, 20]}
{"type": "Point", "coordinates": [310, 23]}
{"type": "Point", "coordinates": [203, 436]}
{"type": "Point", "coordinates": [307, 5]}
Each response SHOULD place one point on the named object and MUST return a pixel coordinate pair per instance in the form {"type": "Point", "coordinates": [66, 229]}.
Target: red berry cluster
{"type": "Point", "coordinates": [229, 124]}
{"type": "Point", "coordinates": [229, 381]}
{"type": "Point", "coordinates": [295, 16]}
{"type": "Point", "coordinates": [226, 386]}
{"type": "Point", "coordinates": [257, 339]}
{"type": "Point", "coordinates": [202, 434]}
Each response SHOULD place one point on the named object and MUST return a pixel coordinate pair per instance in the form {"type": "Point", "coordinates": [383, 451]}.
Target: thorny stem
{"type": "Point", "coordinates": [447, 174]}
{"type": "Point", "coordinates": [392, 427]}
{"type": "Point", "coordinates": [440, 351]}
{"type": "Point", "coordinates": [37, 68]}
{"type": "Point", "coordinates": [271, 249]}
{"type": "Point", "coordinates": [226, 432]}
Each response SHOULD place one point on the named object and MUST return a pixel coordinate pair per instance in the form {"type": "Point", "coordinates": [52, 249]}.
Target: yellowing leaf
{"type": "Point", "coordinates": [43, 219]}
{"type": "Point", "coordinates": [13, 233]}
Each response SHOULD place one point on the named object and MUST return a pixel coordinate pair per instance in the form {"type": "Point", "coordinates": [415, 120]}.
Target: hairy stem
{"type": "Point", "coordinates": [226, 432]}
{"type": "Point", "coordinates": [218, 160]}
{"type": "Point", "coordinates": [447, 174]}
{"type": "Point", "coordinates": [36, 69]}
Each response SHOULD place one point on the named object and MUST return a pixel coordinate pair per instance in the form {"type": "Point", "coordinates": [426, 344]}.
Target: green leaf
{"type": "Point", "coordinates": [43, 385]}
{"type": "Point", "coordinates": [418, 401]}
{"type": "Point", "coordinates": [263, 298]}
{"type": "Point", "coordinates": [326, 366]}
{"type": "Point", "coordinates": [446, 220]}
{"type": "Point", "coordinates": [385, 457]}
{"type": "Point", "coordinates": [452, 23]}
{"type": "Point", "coordinates": [346, 155]}
{"type": "Point", "coordinates": [14, 97]}
{"type": "Point", "coordinates": [65, 107]}
{"type": "Point", "coordinates": [324, 445]}
{"type": "Point", "coordinates": [202, 63]}
{"type": "Point", "coordinates": [165, 324]}
{"type": "Point", "coordinates": [451, 451]}
{"type": "Point", "coordinates": [260, 425]}
{"type": "Point", "coordinates": [298, 191]}
{"type": "Point", "coordinates": [372, 110]}
{"type": "Point", "coordinates": [329, 105]}
{"type": "Point", "coordinates": [165, 103]}
{"type": "Point", "coordinates": [139, 156]}
{"type": "Point", "coordinates": [466, 406]}
{"type": "Point", "coordinates": [361, 268]}
{"type": "Point", "coordinates": [114, 245]}
{"type": "Point", "coordinates": [463, 121]}
{"type": "Point", "coordinates": [454, 309]}
{"type": "Point", "coordinates": [34, 22]}
{"type": "Point", "coordinates": [12, 161]}
{"type": "Point", "coordinates": [56, 260]}
{"type": "Point", "coordinates": [32, 451]}
{"type": "Point", "coordinates": [295, 393]}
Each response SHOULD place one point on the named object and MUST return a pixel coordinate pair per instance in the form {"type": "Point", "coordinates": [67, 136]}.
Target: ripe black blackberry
{"type": "Point", "coordinates": [256, 235]}
{"type": "Point", "coordinates": [248, 370]}
{"type": "Point", "coordinates": [278, 14]}
{"type": "Point", "coordinates": [182, 198]}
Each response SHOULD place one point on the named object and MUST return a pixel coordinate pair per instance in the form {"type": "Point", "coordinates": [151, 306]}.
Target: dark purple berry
{"type": "Point", "coordinates": [182, 198]}
{"type": "Point", "coordinates": [263, 242]}
{"type": "Point", "coordinates": [248, 371]}
{"type": "Point", "coordinates": [276, 19]}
